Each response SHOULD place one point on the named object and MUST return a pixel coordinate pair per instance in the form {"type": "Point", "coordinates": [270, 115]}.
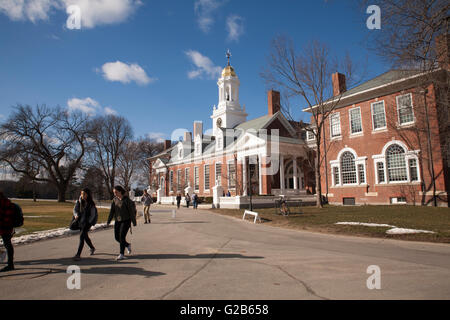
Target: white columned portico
{"type": "Point", "coordinates": [294, 163]}
{"type": "Point", "coordinates": [244, 175]}
{"type": "Point", "coordinates": [282, 173]}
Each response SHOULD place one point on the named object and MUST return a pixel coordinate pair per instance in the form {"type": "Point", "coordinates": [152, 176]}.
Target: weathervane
{"type": "Point", "coordinates": [228, 54]}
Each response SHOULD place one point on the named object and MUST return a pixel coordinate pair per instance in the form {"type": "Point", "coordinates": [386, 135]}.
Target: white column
{"type": "Point", "coordinates": [260, 174]}
{"type": "Point", "coordinates": [244, 174]}
{"type": "Point", "coordinates": [282, 173]}
{"type": "Point", "coordinates": [294, 163]}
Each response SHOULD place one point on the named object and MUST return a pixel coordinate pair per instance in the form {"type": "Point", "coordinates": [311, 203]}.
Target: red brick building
{"type": "Point", "coordinates": [265, 154]}
{"type": "Point", "coordinates": [377, 140]}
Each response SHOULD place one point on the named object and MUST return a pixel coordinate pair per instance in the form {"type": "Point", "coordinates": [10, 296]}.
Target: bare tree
{"type": "Point", "coordinates": [414, 35]}
{"type": "Point", "coordinates": [44, 144]}
{"type": "Point", "coordinates": [147, 148]}
{"type": "Point", "coordinates": [308, 74]}
{"type": "Point", "coordinates": [127, 164]}
{"type": "Point", "coordinates": [108, 137]}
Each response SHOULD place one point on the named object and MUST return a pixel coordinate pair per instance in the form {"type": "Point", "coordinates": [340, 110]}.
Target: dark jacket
{"type": "Point", "coordinates": [178, 198]}
{"type": "Point", "coordinates": [87, 214]}
{"type": "Point", "coordinates": [6, 217]}
{"type": "Point", "coordinates": [122, 210]}
{"type": "Point", "coordinates": [147, 200]}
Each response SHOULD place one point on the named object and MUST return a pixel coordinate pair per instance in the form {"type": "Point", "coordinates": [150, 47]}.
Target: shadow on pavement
{"type": "Point", "coordinates": [197, 256]}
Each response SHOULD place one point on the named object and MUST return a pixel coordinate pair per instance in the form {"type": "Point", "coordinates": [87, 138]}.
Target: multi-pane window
{"type": "Point", "coordinates": [231, 175]}
{"type": "Point", "coordinates": [378, 115]}
{"type": "Point", "coordinates": [178, 179]}
{"type": "Point", "coordinates": [405, 109]}
{"type": "Point", "coordinates": [348, 168]}
{"type": "Point", "coordinates": [396, 163]}
{"type": "Point", "coordinates": [361, 175]}
{"type": "Point", "coordinates": [336, 175]}
{"type": "Point", "coordinates": [186, 175]}
{"type": "Point", "coordinates": [170, 180]}
{"type": "Point", "coordinates": [196, 179]}
{"type": "Point", "coordinates": [413, 170]}
{"type": "Point", "coordinates": [335, 124]}
{"type": "Point", "coordinates": [219, 174]}
{"type": "Point", "coordinates": [380, 172]}
{"type": "Point", "coordinates": [206, 176]}
{"type": "Point", "coordinates": [355, 120]}
{"type": "Point", "coordinates": [310, 135]}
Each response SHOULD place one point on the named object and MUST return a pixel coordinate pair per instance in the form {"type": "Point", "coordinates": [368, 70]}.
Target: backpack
{"type": "Point", "coordinates": [18, 216]}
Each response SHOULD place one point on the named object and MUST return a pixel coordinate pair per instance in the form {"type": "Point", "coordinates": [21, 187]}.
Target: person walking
{"type": "Point", "coordinates": [188, 199]}
{"type": "Point", "coordinates": [195, 200]}
{"type": "Point", "coordinates": [6, 229]}
{"type": "Point", "coordinates": [147, 200]}
{"type": "Point", "coordinates": [178, 200]}
{"type": "Point", "coordinates": [86, 213]}
{"type": "Point", "coordinates": [123, 211]}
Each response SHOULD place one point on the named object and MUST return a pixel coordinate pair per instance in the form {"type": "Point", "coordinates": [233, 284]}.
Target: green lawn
{"type": "Point", "coordinates": [323, 220]}
{"type": "Point", "coordinates": [49, 215]}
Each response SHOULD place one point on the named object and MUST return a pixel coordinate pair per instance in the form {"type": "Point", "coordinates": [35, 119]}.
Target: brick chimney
{"type": "Point", "coordinates": [339, 86]}
{"type": "Point", "coordinates": [443, 50]}
{"type": "Point", "coordinates": [187, 136]}
{"type": "Point", "coordinates": [198, 128]}
{"type": "Point", "coordinates": [273, 101]}
{"type": "Point", "coordinates": [167, 144]}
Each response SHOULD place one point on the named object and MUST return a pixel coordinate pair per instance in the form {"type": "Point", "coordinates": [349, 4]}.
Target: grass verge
{"type": "Point", "coordinates": [323, 220]}
{"type": "Point", "coordinates": [46, 215]}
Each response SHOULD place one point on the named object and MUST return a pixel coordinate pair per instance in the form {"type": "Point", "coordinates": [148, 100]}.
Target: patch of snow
{"type": "Point", "coordinates": [48, 234]}
{"type": "Point", "coordinates": [406, 231]}
{"type": "Point", "coordinates": [365, 224]}
{"type": "Point", "coordinates": [394, 229]}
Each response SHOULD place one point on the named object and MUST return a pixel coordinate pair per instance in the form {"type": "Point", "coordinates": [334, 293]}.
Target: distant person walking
{"type": "Point", "coordinates": [86, 213]}
{"type": "Point", "coordinates": [178, 200]}
{"type": "Point", "coordinates": [6, 229]}
{"type": "Point", "coordinates": [195, 200]}
{"type": "Point", "coordinates": [123, 210]}
{"type": "Point", "coordinates": [188, 199]}
{"type": "Point", "coordinates": [147, 200]}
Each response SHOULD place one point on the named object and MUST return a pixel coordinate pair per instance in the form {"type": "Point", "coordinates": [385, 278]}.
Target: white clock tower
{"type": "Point", "coordinates": [228, 113]}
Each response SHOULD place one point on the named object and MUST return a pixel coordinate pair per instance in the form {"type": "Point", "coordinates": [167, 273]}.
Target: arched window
{"type": "Point", "coordinates": [348, 168]}
{"type": "Point", "coordinates": [396, 163]}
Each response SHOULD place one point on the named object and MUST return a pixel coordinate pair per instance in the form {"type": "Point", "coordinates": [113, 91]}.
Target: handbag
{"type": "Point", "coordinates": [74, 224]}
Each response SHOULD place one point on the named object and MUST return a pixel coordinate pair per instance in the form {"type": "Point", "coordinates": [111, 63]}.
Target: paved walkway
{"type": "Point", "coordinates": [202, 255]}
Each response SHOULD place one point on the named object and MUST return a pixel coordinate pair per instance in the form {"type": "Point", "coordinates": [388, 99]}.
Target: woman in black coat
{"type": "Point", "coordinates": [86, 213]}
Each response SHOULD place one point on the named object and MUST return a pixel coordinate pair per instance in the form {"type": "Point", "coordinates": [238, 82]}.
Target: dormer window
{"type": "Point", "coordinates": [180, 153]}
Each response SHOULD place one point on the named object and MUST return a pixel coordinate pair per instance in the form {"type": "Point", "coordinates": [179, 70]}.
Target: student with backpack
{"type": "Point", "coordinates": [9, 212]}
{"type": "Point", "coordinates": [147, 200]}
{"type": "Point", "coordinates": [188, 199]}
{"type": "Point", "coordinates": [86, 213]}
{"type": "Point", "coordinates": [123, 210]}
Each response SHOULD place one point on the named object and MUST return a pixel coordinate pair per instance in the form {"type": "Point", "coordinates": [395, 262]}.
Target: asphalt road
{"type": "Point", "coordinates": [202, 255]}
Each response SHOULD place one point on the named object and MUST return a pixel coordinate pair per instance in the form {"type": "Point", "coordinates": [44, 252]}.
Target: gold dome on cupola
{"type": "Point", "coordinates": [228, 71]}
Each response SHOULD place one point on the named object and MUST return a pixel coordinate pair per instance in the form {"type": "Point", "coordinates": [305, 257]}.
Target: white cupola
{"type": "Point", "coordinates": [228, 113]}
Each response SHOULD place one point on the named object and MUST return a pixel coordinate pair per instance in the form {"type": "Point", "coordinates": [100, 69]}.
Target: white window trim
{"type": "Point", "coordinates": [358, 160]}
{"type": "Point", "coordinates": [408, 155]}
{"type": "Point", "coordinates": [385, 120]}
{"type": "Point", "coordinates": [350, 122]}
{"type": "Point", "coordinates": [215, 174]}
{"type": "Point", "coordinates": [228, 174]}
{"type": "Point", "coordinates": [204, 177]}
{"type": "Point", "coordinates": [412, 109]}
{"type": "Point", "coordinates": [331, 125]}
{"type": "Point", "coordinates": [197, 190]}
{"type": "Point", "coordinates": [179, 179]}
{"type": "Point", "coordinates": [312, 132]}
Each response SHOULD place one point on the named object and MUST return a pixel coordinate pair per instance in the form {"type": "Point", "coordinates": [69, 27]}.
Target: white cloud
{"type": "Point", "coordinates": [235, 27]}
{"type": "Point", "coordinates": [93, 12]}
{"type": "Point", "coordinates": [88, 106]}
{"type": "Point", "coordinates": [125, 73]}
{"type": "Point", "coordinates": [102, 12]}
{"type": "Point", "coordinates": [205, 10]}
{"type": "Point", "coordinates": [33, 10]}
{"type": "Point", "coordinates": [157, 136]}
{"type": "Point", "coordinates": [204, 66]}
{"type": "Point", "coordinates": [109, 111]}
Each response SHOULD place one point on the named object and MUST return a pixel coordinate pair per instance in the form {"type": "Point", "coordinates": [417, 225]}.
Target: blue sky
{"type": "Point", "coordinates": [135, 57]}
